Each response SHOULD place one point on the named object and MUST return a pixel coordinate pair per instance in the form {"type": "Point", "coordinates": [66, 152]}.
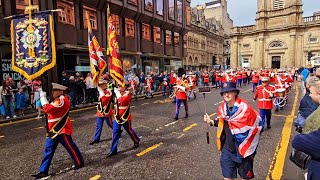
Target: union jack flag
{"type": "Point", "coordinates": [97, 62]}
{"type": "Point", "coordinates": [244, 124]}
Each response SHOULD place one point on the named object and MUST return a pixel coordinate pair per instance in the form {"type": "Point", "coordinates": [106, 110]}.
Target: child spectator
{"type": "Point", "coordinates": [21, 101]}
{"type": "Point", "coordinates": [37, 102]}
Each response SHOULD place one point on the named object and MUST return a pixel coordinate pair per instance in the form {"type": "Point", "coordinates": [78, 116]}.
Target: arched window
{"type": "Point", "coordinates": [278, 4]}
{"type": "Point", "coordinates": [276, 44]}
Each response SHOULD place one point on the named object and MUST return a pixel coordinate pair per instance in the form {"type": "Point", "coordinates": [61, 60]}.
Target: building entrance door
{"type": "Point", "coordinates": [275, 62]}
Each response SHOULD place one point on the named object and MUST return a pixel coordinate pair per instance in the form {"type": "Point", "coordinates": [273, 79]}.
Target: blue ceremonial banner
{"type": "Point", "coordinates": [33, 44]}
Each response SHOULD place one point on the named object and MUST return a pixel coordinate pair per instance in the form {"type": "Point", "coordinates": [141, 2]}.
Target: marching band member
{"type": "Point", "coordinates": [172, 81]}
{"type": "Point", "coordinates": [133, 85]}
{"type": "Point", "coordinates": [205, 78]}
{"type": "Point", "coordinates": [181, 97]}
{"type": "Point", "coordinates": [122, 118]}
{"type": "Point", "coordinates": [239, 78]}
{"type": "Point", "coordinates": [238, 133]}
{"type": "Point", "coordinates": [218, 79]}
{"type": "Point", "coordinates": [164, 86]}
{"type": "Point", "coordinates": [148, 86]}
{"type": "Point", "coordinates": [104, 109]}
{"type": "Point", "coordinates": [244, 77]}
{"type": "Point", "coordinates": [59, 129]}
{"type": "Point", "coordinates": [264, 95]}
{"type": "Point", "coordinates": [255, 80]}
{"type": "Point", "coordinates": [192, 83]}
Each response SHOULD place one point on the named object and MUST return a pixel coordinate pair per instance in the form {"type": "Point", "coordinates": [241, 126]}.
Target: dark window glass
{"type": "Point", "coordinates": [171, 9]}
{"type": "Point", "coordinates": [179, 11]}
{"type": "Point", "coordinates": [188, 15]}
{"type": "Point", "coordinates": [176, 39]}
{"type": "Point", "coordinates": [160, 7]}
{"type": "Point", "coordinates": [148, 5]}
{"type": "Point", "coordinates": [129, 27]}
{"type": "Point", "coordinates": [168, 37]}
{"type": "Point", "coordinates": [156, 34]}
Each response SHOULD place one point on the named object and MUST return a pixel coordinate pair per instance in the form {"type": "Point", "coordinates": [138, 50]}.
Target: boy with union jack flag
{"type": "Point", "coordinates": [238, 133]}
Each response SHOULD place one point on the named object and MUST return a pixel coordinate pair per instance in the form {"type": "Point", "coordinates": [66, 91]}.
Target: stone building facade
{"type": "Point", "coordinates": [281, 37]}
{"type": "Point", "coordinates": [204, 41]}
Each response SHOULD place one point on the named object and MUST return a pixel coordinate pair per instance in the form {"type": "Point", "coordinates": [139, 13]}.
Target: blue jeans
{"type": "Point", "coordinates": [73, 98]}
{"type": "Point", "coordinates": [178, 104]}
{"type": "Point", "coordinates": [8, 106]}
{"type": "Point", "coordinates": [254, 86]}
{"type": "Point", "coordinates": [116, 134]}
{"type": "Point", "coordinates": [265, 113]}
{"type": "Point", "coordinates": [51, 146]}
{"type": "Point", "coordinates": [100, 125]}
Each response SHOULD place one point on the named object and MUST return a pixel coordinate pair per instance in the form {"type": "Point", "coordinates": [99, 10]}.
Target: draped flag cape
{"type": "Point", "coordinates": [116, 71]}
{"type": "Point", "coordinates": [33, 44]}
{"type": "Point", "coordinates": [97, 62]}
{"type": "Point", "coordinates": [244, 124]}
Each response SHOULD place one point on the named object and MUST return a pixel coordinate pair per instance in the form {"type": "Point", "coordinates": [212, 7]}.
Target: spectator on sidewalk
{"type": "Point", "coordinates": [37, 102]}
{"type": "Point", "coordinates": [72, 91]}
{"type": "Point", "coordinates": [142, 79]}
{"type": "Point", "coordinates": [7, 98]}
{"type": "Point", "coordinates": [90, 88]}
{"type": "Point", "coordinates": [65, 79]}
{"type": "Point", "coordinates": [21, 101]}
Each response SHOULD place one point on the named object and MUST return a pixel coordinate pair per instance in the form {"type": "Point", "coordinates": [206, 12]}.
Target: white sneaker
{"type": "Point", "coordinates": [8, 117]}
{"type": "Point", "coordinates": [14, 116]}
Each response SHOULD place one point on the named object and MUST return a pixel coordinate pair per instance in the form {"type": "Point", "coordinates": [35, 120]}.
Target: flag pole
{"type": "Point", "coordinates": [107, 48]}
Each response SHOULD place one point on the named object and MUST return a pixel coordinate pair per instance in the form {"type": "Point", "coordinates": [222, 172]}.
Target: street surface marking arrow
{"type": "Point", "coordinates": [149, 149]}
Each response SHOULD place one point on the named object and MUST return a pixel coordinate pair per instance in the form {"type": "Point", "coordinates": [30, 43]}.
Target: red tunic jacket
{"type": "Point", "coordinates": [56, 110]}
{"type": "Point", "coordinates": [105, 100]}
{"type": "Point", "coordinates": [124, 103]}
{"type": "Point", "coordinates": [206, 78]}
{"type": "Point", "coordinates": [263, 96]}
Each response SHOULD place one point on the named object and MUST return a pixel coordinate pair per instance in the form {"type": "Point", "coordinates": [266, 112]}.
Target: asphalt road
{"type": "Point", "coordinates": [168, 149]}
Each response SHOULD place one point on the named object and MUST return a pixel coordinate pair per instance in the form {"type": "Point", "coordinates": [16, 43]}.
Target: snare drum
{"type": "Point", "coordinates": [280, 92]}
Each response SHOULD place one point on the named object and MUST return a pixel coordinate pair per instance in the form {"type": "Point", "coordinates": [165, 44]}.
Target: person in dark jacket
{"type": "Point", "coordinates": [65, 79]}
{"type": "Point", "coordinates": [307, 106]}
{"type": "Point", "coordinates": [310, 144]}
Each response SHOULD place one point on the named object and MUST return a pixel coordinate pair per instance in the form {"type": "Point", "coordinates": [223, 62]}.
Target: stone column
{"type": "Point", "coordinates": [261, 61]}
{"type": "Point", "coordinates": [292, 61]}
{"type": "Point", "coordinates": [234, 56]}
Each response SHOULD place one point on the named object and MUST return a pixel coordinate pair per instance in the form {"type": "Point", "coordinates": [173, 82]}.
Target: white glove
{"type": "Point", "coordinates": [43, 94]}
{"type": "Point", "coordinates": [117, 92]}
{"type": "Point", "coordinates": [101, 93]}
{"type": "Point", "coordinates": [44, 100]}
{"type": "Point", "coordinates": [270, 94]}
{"type": "Point", "coordinates": [254, 100]}
{"type": "Point", "coordinates": [39, 90]}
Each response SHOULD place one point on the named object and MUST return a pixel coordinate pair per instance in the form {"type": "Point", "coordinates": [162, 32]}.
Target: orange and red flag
{"type": "Point", "coordinates": [116, 71]}
{"type": "Point", "coordinates": [97, 62]}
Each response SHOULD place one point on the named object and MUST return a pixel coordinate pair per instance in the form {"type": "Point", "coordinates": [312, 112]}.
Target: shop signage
{"type": "Point", "coordinates": [83, 68]}
{"type": "Point", "coordinates": [7, 71]}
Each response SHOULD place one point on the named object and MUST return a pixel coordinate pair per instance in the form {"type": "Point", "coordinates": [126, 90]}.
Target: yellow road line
{"type": "Point", "coordinates": [96, 177]}
{"type": "Point", "coordinates": [189, 127]}
{"type": "Point", "coordinates": [284, 115]}
{"type": "Point", "coordinates": [277, 164]}
{"type": "Point", "coordinates": [1, 136]}
{"type": "Point", "coordinates": [149, 149]}
{"type": "Point", "coordinates": [180, 134]}
{"type": "Point", "coordinates": [41, 127]}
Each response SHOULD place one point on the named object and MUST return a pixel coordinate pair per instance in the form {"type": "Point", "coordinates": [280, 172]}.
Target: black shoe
{"type": "Point", "coordinates": [75, 167]}
{"type": "Point", "coordinates": [186, 116]}
{"type": "Point", "coordinates": [281, 108]}
{"type": "Point", "coordinates": [276, 110]}
{"type": "Point", "coordinates": [269, 126]}
{"type": "Point", "coordinates": [176, 118]}
{"type": "Point", "coordinates": [135, 145]}
{"type": "Point", "coordinates": [40, 175]}
{"type": "Point", "coordinates": [94, 142]}
{"type": "Point", "coordinates": [111, 154]}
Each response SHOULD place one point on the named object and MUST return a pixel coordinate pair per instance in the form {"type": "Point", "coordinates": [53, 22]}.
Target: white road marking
{"type": "Point", "coordinates": [247, 90]}
{"type": "Point", "coordinates": [218, 103]}
{"type": "Point", "coordinates": [170, 123]}
{"type": "Point", "coordinates": [1, 136]}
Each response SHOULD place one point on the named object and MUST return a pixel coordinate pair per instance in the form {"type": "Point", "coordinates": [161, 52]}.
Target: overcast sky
{"type": "Point", "coordinates": [243, 12]}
